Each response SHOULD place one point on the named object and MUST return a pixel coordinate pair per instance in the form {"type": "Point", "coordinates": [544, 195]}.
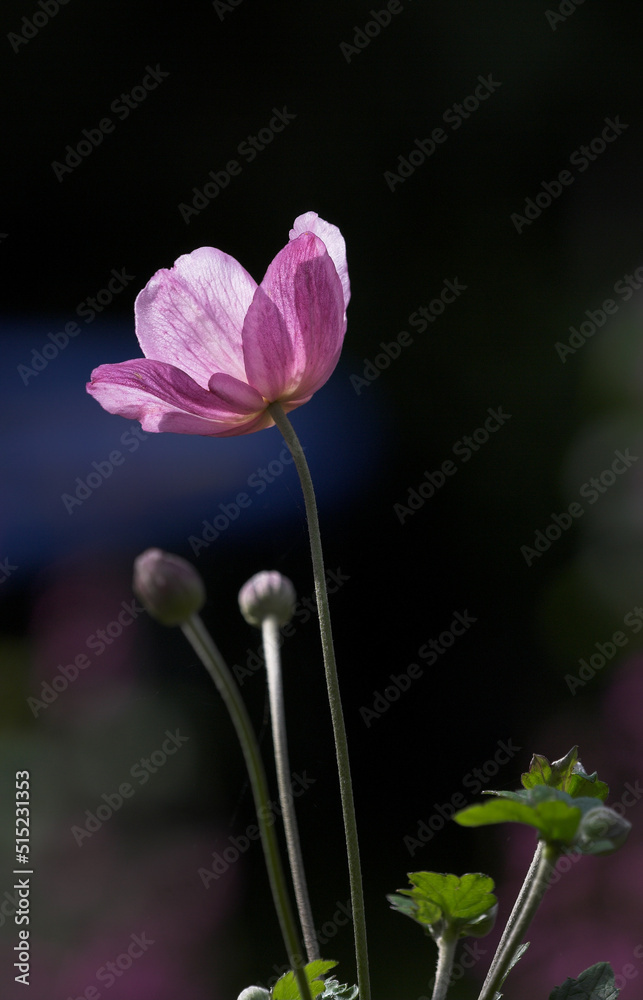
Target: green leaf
{"type": "Point", "coordinates": [554, 819]}
{"type": "Point", "coordinates": [463, 899]}
{"type": "Point", "coordinates": [539, 773]}
{"type": "Point", "coordinates": [519, 952]}
{"type": "Point", "coordinates": [555, 814]}
{"type": "Point", "coordinates": [339, 991]}
{"type": "Point", "coordinates": [566, 774]}
{"type": "Point", "coordinates": [521, 796]}
{"type": "Point", "coordinates": [420, 910]}
{"type": "Point", "coordinates": [286, 988]}
{"type": "Point", "coordinates": [595, 983]}
{"type": "Point", "coordinates": [465, 904]}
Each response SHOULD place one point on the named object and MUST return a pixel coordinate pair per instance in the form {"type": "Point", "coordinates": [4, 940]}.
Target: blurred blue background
{"type": "Point", "coordinates": [530, 335]}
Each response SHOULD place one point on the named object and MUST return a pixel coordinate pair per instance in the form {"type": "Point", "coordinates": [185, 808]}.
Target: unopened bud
{"type": "Point", "coordinates": [602, 831]}
{"type": "Point", "coordinates": [168, 586]}
{"type": "Point", "coordinates": [254, 993]}
{"type": "Point", "coordinates": [267, 593]}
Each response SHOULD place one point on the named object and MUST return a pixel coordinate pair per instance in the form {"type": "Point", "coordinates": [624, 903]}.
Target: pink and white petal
{"type": "Point", "coordinates": [164, 398]}
{"type": "Point", "coordinates": [332, 240]}
{"type": "Point", "coordinates": [248, 425]}
{"type": "Point", "coordinates": [238, 395]}
{"type": "Point", "coordinates": [310, 383]}
{"type": "Point", "coordinates": [177, 423]}
{"type": "Point", "coordinates": [268, 350]}
{"type": "Point", "coordinates": [294, 328]}
{"type": "Point", "coordinates": [191, 315]}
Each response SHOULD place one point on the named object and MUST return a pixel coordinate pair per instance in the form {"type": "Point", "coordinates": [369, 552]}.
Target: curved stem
{"type": "Point", "coordinates": [447, 943]}
{"type": "Point", "coordinates": [203, 645]}
{"type": "Point", "coordinates": [334, 698]}
{"type": "Point", "coordinates": [270, 635]}
{"type": "Point", "coordinates": [531, 900]}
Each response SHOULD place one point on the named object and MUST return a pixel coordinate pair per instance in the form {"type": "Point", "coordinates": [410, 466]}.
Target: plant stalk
{"type": "Point", "coordinates": [536, 884]}
{"type": "Point", "coordinates": [205, 648]}
{"type": "Point", "coordinates": [447, 943]}
{"type": "Point", "coordinates": [513, 916]}
{"type": "Point", "coordinates": [339, 728]}
{"type": "Point", "coordinates": [270, 635]}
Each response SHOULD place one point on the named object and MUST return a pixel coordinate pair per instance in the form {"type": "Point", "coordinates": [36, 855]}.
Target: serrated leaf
{"type": "Point", "coordinates": [465, 903]}
{"type": "Point", "coordinates": [595, 983]}
{"type": "Point", "coordinates": [586, 785]}
{"type": "Point", "coordinates": [286, 987]}
{"type": "Point", "coordinates": [539, 772]}
{"type": "Point", "coordinates": [339, 991]}
{"type": "Point", "coordinates": [566, 774]}
{"type": "Point", "coordinates": [462, 898]}
{"type": "Point", "coordinates": [555, 814]}
{"type": "Point", "coordinates": [422, 911]}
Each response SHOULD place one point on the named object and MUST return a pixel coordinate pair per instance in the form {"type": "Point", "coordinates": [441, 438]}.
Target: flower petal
{"type": "Point", "coordinates": [294, 328]}
{"type": "Point", "coordinates": [332, 240]}
{"type": "Point", "coordinates": [238, 395]}
{"type": "Point", "coordinates": [164, 398]}
{"type": "Point", "coordinates": [191, 315]}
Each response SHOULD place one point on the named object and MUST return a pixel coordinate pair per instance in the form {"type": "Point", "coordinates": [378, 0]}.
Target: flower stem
{"type": "Point", "coordinates": [529, 899]}
{"type": "Point", "coordinates": [518, 905]}
{"type": "Point", "coordinates": [334, 698]}
{"type": "Point", "coordinates": [203, 645]}
{"type": "Point", "coordinates": [270, 635]}
{"type": "Point", "coordinates": [447, 943]}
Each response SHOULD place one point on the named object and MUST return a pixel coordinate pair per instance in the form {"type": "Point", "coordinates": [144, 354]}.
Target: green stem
{"type": "Point", "coordinates": [530, 898]}
{"type": "Point", "coordinates": [270, 635]}
{"type": "Point", "coordinates": [518, 905]}
{"type": "Point", "coordinates": [203, 645]}
{"type": "Point", "coordinates": [334, 698]}
{"type": "Point", "coordinates": [447, 943]}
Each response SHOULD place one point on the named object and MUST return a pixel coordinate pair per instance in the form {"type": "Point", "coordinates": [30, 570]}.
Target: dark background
{"type": "Point", "coordinates": [66, 571]}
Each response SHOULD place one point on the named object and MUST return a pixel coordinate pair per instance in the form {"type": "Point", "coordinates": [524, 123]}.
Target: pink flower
{"type": "Point", "coordinates": [219, 348]}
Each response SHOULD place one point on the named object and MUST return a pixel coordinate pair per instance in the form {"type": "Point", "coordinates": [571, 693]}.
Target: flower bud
{"type": "Point", "coordinates": [168, 586]}
{"type": "Point", "coordinates": [254, 993]}
{"type": "Point", "coordinates": [267, 593]}
{"type": "Point", "coordinates": [601, 831]}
